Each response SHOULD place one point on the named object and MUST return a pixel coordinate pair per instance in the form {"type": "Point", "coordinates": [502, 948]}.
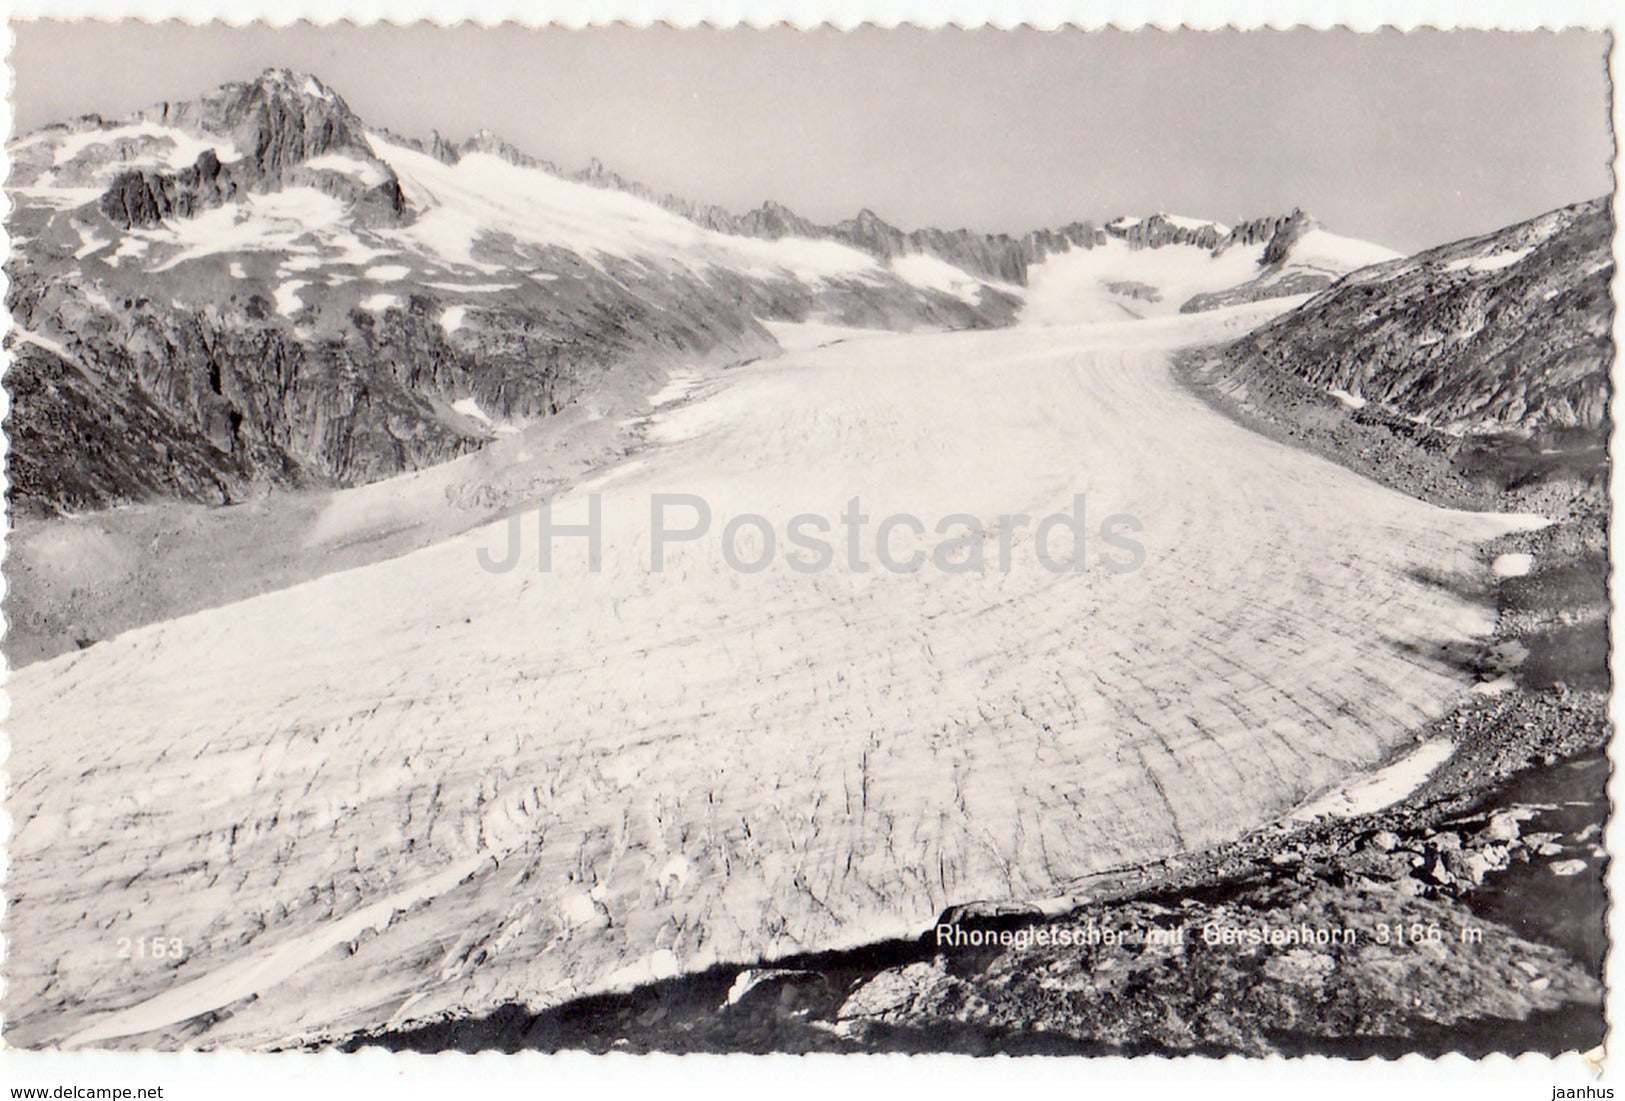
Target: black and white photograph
{"type": "Point", "coordinates": [754, 541]}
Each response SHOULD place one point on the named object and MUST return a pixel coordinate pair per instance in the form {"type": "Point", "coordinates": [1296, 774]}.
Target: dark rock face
{"type": "Point", "coordinates": [146, 198]}
{"type": "Point", "coordinates": [80, 442]}
{"type": "Point", "coordinates": [1278, 235]}
{"type": "Point", "coordinates": [1284, 236]}
{"type": "Point", "coordinates": [216, 403]}
{"type": "Point", "coordinates": [1158, 231]}
{"type": "Point", "coordinates": [1264, 230]}
{"type": "Point", "coordinates": [280, 121]}
{"type": "Point", "coordinates": [1509, 330]}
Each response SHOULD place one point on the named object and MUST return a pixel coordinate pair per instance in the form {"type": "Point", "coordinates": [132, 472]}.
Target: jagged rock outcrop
{"type": "Point", "coordinates": [1258, 231]}
{"type": "Point", "coordinates": [1160, 231]}
{"type": "Point", "coordinates": [145, 198]}
{"type": "Point", "coordinates": [278, 120]}
{"type": "Point", "coordinates": [1287, 232]}
{"type": "Point", "coordinates": [1505, 331]}
{"type": "Point", "coordinates": [1283, 270]}
{"type": "Point", "coordinates": [275, 125]}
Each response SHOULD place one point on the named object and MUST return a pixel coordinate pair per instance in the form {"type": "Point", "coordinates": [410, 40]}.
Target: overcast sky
{"type": "Point", "coordinates": [1406, 140]}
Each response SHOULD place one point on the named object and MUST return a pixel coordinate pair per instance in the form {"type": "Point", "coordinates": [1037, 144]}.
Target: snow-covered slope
{"type": "Point", "coordinates": [468, 211]}
{"type": "Point", "coordinates": [1166, 263]}
{"type": "Point", "coordinates": [1300, 259]}
{"type": "Point", "coordinates": [1118, 281]}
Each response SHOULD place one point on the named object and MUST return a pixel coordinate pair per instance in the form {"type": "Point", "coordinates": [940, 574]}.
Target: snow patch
{"type": "Point", "coordinates": [366, 173]}
{"type": "Point", "coordinates": [1478, 265]}
{"type": "Point", "coordinates": [131, 248]}
{"type": "Point", "coordinates": [388, 273]}
{"type": "Point", "coordinates": [50, 344]}
{"type": "Point", "coordinates": [288, 302]}
{"type": "Point", "coordinates": [468, 407]}
{"type": "Point", "coordinates": [92, 242]}
{"type": "Point", "coordinates": [934, 274]}
{"type": "Point", "coordinates": [451, 319]}
{"type": "Point", "coordinates": [260, 223]}
{"type": "Point", "coordinates": [60, 198]}
{"type": "Point", "coordinates": [485, 288]}
{"type": "Point", "coordinates": [163, 147]}
{"type": "Point", "coordinates": [1382, 788]}
{"type": "Point", "coordinates": [1512, 565]}
{"type": "Point", "coordinates": [377, 303]}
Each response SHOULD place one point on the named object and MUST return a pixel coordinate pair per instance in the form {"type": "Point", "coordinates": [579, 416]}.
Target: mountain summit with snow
{"type": "Point", "coordinates": [255, 288]}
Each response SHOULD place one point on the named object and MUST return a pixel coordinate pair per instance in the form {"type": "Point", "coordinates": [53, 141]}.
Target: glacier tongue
{"type": "Point", "coordinates": [420, 788]}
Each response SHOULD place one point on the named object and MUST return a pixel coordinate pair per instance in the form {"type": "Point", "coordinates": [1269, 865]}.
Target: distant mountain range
{"type": "Point", "coordinates": [254, 288]}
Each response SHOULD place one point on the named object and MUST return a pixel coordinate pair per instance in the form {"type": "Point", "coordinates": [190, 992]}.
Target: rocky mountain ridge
{"type": "Point", "coordinates": [1508, 331]}
{"type": "Point", "coordinates": [995, 256]}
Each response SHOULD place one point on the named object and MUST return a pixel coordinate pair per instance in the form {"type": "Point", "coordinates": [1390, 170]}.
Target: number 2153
{"type": "Point", "coordinates": [151, 948]}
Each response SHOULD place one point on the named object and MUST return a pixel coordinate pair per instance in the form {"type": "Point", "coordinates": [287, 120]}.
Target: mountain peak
{"type": "Point", "coordinates": [295, 82]}
{"type": "Point", "coordinates": [277, 120]}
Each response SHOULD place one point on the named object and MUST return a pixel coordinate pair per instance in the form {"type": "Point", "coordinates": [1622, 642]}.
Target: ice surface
{"type": "Point", "coordinates": [938, 275]}
{"type": "Point", "coordinates": [650, 772]}
{"type": "Point", "coordinates": [800, 336]}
